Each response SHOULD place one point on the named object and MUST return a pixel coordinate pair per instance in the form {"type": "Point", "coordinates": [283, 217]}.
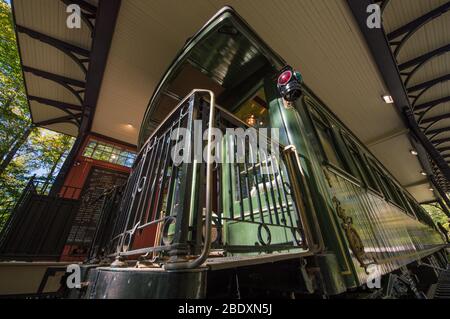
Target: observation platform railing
{"type": "Point", "coordinates": [244, 197]}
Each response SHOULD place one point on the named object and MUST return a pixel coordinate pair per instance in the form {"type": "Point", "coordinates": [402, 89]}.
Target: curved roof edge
{"type": "Point", "coordinates": [226, 14]}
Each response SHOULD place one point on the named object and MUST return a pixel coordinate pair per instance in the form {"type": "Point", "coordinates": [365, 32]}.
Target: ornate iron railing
{"type": "Point", "coordinates": [174, 214]}
{"type": "Point", "coordinates": [110, 209]}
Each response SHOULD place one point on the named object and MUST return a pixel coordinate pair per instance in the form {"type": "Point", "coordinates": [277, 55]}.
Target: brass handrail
{"type": "Point", "coordinates": [295, 170]}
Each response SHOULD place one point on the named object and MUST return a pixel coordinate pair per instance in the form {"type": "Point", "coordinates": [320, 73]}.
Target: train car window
{"type": "Point", "coordinates": [390, 190]}
{"type": "Point", "coordinates": [361, 165]}
{"type": "Point", "coordinates": [411, 206]}
{"type": "Point", "coordinates": [419, 213]}
{"type": "Point", "coordinates": [359, 172]}
{"type": "Point", "coordinates": [423, 216]}
{"type": "Point", "coordinates": [254, 111]}
{"type": "Point", "coordinates": [427, 218]}
{"type": "Point", "coordinates": [414, 207]}
{"type": "Point", "coordinates": [372, 179]}
{"type": "Point", "coordinates": [375, 175]}
{"type": "Point", "coordinates": [382, 181]}
{"type": "Point", "coordinates": [327, 140]}
{"type": "Point", "coordinates": [406, 205]}
{"type": "Point", "coordinates": [396, 196]}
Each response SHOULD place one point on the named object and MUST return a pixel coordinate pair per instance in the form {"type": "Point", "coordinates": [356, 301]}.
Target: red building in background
{"type": "Point", "coordinates": [100, 165]}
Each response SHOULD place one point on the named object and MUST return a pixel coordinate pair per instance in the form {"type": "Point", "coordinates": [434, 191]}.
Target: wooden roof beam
{"type": "Point", "coordinates": [58, 120]}
{"type": "Point", "coordinates": [57, 104]}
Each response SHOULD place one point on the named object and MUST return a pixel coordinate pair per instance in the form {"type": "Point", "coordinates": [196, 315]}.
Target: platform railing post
{"type": "Point", "coordinates": [178, 260]}
{"type": "Point", "coordinates": [179, 248]}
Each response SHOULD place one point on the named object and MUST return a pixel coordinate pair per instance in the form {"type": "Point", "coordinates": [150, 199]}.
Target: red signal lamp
{"type": "Point", "coordinates": [284, 77]}
{"type": "Point", "coordinates": [289, 84]}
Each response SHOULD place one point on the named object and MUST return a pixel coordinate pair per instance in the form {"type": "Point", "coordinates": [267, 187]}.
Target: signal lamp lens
{"type": "Point", "coordinates": [284, 78]}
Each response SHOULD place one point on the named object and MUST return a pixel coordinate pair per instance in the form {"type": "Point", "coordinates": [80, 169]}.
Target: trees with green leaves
{"type": "Point", "coordinates": [437, 215]}
{"type": "Point", "coordinates": [24, 149]}
{"type": "Point", "coordinates": [15, 122]}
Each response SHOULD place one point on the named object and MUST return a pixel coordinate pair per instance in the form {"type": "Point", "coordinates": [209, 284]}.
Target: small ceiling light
{"type": "Point", "coordinates": [414, 152]}
{"type": "Point", "coordinates": [423, 173]}
{"type": "Point", "coordinates": [251, 120]}
{"type": "Point", "coordinates": [431, 189]}
{"type": "Point", "coordinates": [388, 99]}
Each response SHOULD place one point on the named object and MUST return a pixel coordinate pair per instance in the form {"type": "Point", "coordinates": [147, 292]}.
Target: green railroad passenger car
{"type": "Point", "coordinates": [324, 218]}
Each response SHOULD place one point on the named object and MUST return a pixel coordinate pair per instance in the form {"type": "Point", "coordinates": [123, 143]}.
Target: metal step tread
{"type": "Point", "coordinates": [443, 285]}
{"type": "Point", "coordinates": [219, 263]}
